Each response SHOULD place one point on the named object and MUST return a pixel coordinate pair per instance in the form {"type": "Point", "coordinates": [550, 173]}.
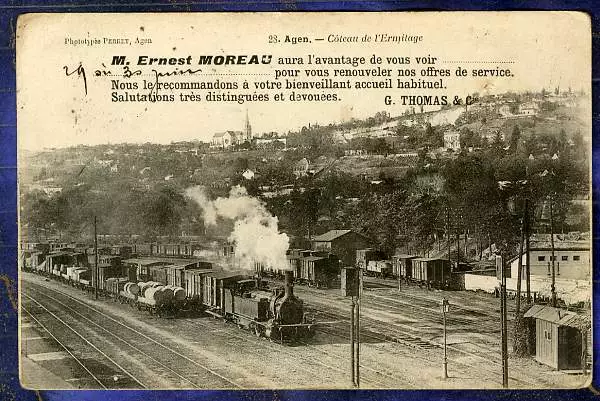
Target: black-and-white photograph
{"type": "Point", "coordinates": [336, 201]}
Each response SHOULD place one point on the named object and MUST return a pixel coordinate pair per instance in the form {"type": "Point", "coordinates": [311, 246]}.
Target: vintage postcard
{"type": "Point", "coordinates": [305, 201]}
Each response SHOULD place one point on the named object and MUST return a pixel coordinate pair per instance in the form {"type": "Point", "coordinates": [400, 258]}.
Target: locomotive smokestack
{"type": "Point", "coordinates": [289, 286]}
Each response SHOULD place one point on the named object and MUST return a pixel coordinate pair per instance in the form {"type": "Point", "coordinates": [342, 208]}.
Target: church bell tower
{"type": "Point", "coordinates": [247, 128]}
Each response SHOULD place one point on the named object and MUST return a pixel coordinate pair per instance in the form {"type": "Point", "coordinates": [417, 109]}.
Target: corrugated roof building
{"type": "Point", "coordinates": [561, 337]}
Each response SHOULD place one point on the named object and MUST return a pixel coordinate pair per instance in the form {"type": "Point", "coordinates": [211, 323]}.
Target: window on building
{"type": "Point", "coordinates": [576, 258]}
{"type": "Point", "coordinates": [564, 258]}
{"type": "Point", "coordinates": [541, 258]}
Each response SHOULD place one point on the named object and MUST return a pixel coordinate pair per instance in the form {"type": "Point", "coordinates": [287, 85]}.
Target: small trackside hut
{"type": "Point", "coordinates": [560, 337]}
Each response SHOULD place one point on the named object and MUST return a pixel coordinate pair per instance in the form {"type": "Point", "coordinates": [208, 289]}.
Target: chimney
{"type": "Point", "coordinates": [289, 286]}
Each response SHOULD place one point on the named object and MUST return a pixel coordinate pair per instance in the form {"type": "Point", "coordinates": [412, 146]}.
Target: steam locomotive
{"type": "Point", "coordinates": [275, 314]}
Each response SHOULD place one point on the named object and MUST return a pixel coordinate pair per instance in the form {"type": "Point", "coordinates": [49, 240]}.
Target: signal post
{"type": "Point", "coordinates": [351, 286]}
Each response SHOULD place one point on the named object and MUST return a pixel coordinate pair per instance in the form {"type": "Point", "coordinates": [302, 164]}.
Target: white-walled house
{"type": "Point", "coordinates": [572, 257]}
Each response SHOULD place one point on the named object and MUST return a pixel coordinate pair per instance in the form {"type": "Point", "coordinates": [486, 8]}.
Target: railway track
{"type": "Point", "coordinates": [452, 321]}
{"type": "Point", "coordinates": [404, 336]}
{"type": "Point", "coordinates": [377, 377]}
{"type": "Point", "coordinates": [297, 354]}
{"type": "Point", "coordinates": [482, 323]}
{"type": "Point", "coordinates": [175, 368]}
{"type": "Point", "coordinates": [480, 326]}
{"type": "Point", "coordinates": [101, 368]}
{"type": "Point", "coordinates": [368, 367]}
{"type": "Point", "coordinates": [252, 344]}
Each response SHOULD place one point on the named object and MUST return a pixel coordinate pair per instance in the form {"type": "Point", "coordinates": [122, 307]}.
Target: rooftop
{"type": "Point", "coordinates": [145, 261]}
{"type": "Point", "coordinates": [574, 241]}
{"type": "Point", "coordinates": [404, 256]}
{"type": "Point", "coordinates": [222, 274]}
{"type": "Point", "coordinates": [331, 235]}
{"type": "Point", "coordinates": [558, 316]}
{"type": "Point", "coordinates": [427, 259]}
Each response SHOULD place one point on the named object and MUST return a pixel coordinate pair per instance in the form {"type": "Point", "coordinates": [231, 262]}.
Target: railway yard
{"type": "Point", "coordinates": [77, 341]}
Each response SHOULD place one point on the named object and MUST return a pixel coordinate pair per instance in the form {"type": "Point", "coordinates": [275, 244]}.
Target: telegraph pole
{"type": "Point", "coordinates": [527, 265]}
{"type": "Point", "coordinates": [358, 329]}
{"type": "Point", "coordinates": [448, 240]}
{"type": "Point", "coordinates": [95, 258]}
{"type": "Point", "coordinates": [504, 324]}
{"type": "Point", "coordinates": [520, 271]}
{"type": "Point", "coordinates": [457, 243]}
{"type": "Point", "coordinates": [445, 309]}
{"type": "Point", "coordinates": [553, 288]}
{"type": "Point", "coordinates": [352, 341]}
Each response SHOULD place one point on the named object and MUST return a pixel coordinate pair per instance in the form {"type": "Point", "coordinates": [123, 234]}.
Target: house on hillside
{"type": "Point", "coordinates": [452, 140]}
{"type": "Point", "coordinates": [529, 109]}
{"type": "Point", "coordinates": [248, 174]}
{"type": "Point", "coordinates": [270, 143]}
{"type": "Point", "coordinates": [505, 110]}
{"type": "Point", "coordinates": [491, 129]}
{"type": "Point", "coordinates": [301, 168]}
{"type": "Point", "coordinates": [343, 243]}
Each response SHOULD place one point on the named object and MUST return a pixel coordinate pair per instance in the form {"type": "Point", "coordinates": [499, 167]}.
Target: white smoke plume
{"type": "Point", "coordinates": [255, 234]}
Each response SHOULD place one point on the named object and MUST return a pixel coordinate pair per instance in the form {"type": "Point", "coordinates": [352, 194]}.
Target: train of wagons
{"type": "Point", "coordinates": [171, 286]}
{"type": "Point", "coordinates": [312, 268]}
{"type": "Point", "coordinates": [309, 267]}
{"type": "Point", "coordinates": [422, 271]}
{"type": "Point", "coordinates": [322, 269]}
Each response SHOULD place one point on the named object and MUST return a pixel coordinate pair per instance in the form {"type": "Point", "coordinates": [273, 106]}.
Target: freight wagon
{"type": "Point", "coordinates": [433, 272]}
{"type": "Point", "coordinates": [104, 272]}
{"type": "Point", "coordinates": [402, 266]}
{"type": "Point", "coordinates": [364, 256]}
{"type": "Point", "coordinates": [379, 268]}
{"type": "Point", "coordinates": [176, 272]}
{"type": "Point", "coordinates": [320, 271]}
{"type": "Point", "coordinates": [194, 284]}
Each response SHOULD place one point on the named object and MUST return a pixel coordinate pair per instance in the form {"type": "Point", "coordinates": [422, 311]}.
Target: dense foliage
{"type": "Point", "coordinates": [480, 191]}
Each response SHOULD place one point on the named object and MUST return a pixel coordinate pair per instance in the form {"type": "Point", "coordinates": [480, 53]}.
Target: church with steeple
{"type": "Point", "coordinates": [247, 128]}
{"type": "Point", "coordinates": [224, 140]}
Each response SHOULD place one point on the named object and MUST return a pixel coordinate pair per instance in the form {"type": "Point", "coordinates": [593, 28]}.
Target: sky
{"type": "Point", "coordinates": [542, 50]}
